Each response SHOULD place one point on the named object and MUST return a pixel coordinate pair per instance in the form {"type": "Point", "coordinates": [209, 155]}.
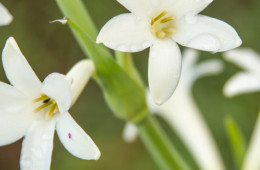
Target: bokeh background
{"type": "Point", "coordinates": [52, 48]}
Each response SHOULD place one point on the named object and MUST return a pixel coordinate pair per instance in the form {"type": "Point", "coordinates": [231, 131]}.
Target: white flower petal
{"type": "Point", "coordinates": [164, 69]}
{"type": "Point", "coordinates": [74, 139]}
{"type": "Point", "coordinates": [57, 86]}
{"type": "Point", "coordinates": [138, 7]}
{"type": "Point", "coordinates": [251, 161]}
{"type": "Point", "coordinates": [206, 33]}
{"type": "Point", "coordinates": [18, 70]}
{"type": "Point", "coordinates": [37, 146]}
{"type": "Point", "coordinates": [125, 33]}
{"type": "Point", "coordinates": [245, 58]}
{"type": "Point", "coordinates": [206, 68]}
{"type": "Point", "coordinates": [182, 7]}
{"type": "Point", "coordinates": [14, 125]}
{"type": "Point", "coordinates": [242, 83]}
{"type": "Point", "coordinates": [11, 100]}
{"type": "Point", "coordinates": [130, 133]}
{"type": "Point", "coordinates": [5, 17]}
{"type": "Point", "coordinates": [78, 77]}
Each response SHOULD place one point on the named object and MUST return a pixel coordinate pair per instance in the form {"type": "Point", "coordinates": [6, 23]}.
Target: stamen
{"type": "Point", "coordinates": [169, 30]}
{"type": "Point", "coordinates": [164, 20]}
{"type": "Point", "coordinates": [46, 101]}
{"type": "Point", "coordinates": [158, 17]}
{"type": "Point", "coordinates": [43, 97]}
{"type": "Point", "coordinates": [42, 107]}
{"type": "Point", "coordinates": [52, 110]}
{"type": "Point", "coordinates": [162, 26]}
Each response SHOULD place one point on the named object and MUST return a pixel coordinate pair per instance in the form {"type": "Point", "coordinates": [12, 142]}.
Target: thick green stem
{"type": "Point", "coordinates": [160, 146]}
{"type": "Point", "coordinates": [125, 60]}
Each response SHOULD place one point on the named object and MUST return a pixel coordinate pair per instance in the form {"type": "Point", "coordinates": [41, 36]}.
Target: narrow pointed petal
{"type": "Point", "coordinates": [18, 70]}
{"type": "Point", "coordinates": [57, 86]}
{"type": "Point", "coordinates": [14, 125]}
{"type": "Point", "coordinates": [244, 58]}
{"type": "Point", "coordinates": [5, 16]}
{"type": "Point", "coordinates": [242, 83]}
{"type": "Point", "coordinates": [164, 70]}
{"type": "Point", "coordinates": [130, 133]}
{"type": "Point", "coordinates": [78, 77]}
{"type": "Point", "coordinates": [125, 33]}
{"type": "Point", "coordinates": [37, 146]}
{"type": "Point", "coordinates": [11, 100]}
{"type": "Point", "coordinates": [251, 161]}
{"type": "Point", "coordinates": [74, 139]}
{"type": "Point", "coordinates": [206, 33]}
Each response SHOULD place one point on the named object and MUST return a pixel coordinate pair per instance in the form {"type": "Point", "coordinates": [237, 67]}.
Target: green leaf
{"type": "Point", "coordinates": [237, 141]}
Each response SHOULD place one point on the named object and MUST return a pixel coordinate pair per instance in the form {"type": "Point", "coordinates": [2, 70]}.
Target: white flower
{"type": "Point", "coordinates": [5, 17]}
{"type": "Point", "coordinates": [159, 24]}
{"type": "Point", "coordinates": [182, 114]}
{"type": "Point", "coordinates": [245, 81]}
{"type": "Point", "coordinates": [33, 109]}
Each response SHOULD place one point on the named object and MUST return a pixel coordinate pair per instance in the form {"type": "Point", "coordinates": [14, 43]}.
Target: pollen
{"type": "Point", "coordinates": [46, 102]}
{"type": "Point", "coordinates": [162, 26]}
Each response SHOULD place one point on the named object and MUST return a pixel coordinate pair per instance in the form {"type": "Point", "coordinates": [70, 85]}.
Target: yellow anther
{"type": "Point", "coordinates": [169, 30]}
{"type": "Point", "coordinates": [162, 26]}
{"type": "Point", "coordinates": [43, 97]}
{"type": "Point", "coordinates": [51, 111]}
{"type": "Point", "coordinates": [158, 17]}
{"type": "Point", "coordinates": [42, 107]}
{"type": "Point", "coordinates": [46, 102]}
{"type": "Point", "coordinates": [164, 20]}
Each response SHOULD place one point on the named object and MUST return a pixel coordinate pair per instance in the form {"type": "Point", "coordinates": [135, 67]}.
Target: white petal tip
{"type": "Point", "coordinates": [239, 42]}
{"type": "Point", "coordinates": [98, 40]}
{"type": "Point", "coordinates": [97, 156]}
{"type": "Point", "coordinates": [11, 41]}
{"type": "Point", "coordinates": [159, 100]}
{"type": "Point", "coordinates": [5, 17]}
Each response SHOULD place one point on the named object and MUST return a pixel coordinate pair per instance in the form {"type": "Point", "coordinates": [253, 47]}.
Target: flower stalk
{"type": "Point", "coordinates": [159, 145]}
{"type": "Point", "coordinates": [121, 86]}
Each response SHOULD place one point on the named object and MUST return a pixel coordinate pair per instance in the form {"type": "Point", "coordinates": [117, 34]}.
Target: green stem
{"type": "Point", "coordinates": [125, 60]}
{"type": "Point", "coordinates": [160, 146]}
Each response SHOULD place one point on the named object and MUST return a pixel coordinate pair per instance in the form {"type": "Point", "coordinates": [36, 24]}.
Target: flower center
{"type": "Point", "coordinates": [162, 26]}
{"type": "Point", "coordinates": [46, 102]}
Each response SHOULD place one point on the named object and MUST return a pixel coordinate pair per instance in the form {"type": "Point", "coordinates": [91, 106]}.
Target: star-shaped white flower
{"type": "Point", "coordinates": [5, 16]}
{"type": "Point", "coordinates": [245, 81]}
{"type": "Point", "coordinates": [182, 114]}
{"type": "Point", "coordinates": [159, 24]}
{"type": "Point", "coordinates": [33, 109]}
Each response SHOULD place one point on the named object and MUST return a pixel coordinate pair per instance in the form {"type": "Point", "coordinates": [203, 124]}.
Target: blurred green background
{"type": "Point", "coordinates": [52, 48]}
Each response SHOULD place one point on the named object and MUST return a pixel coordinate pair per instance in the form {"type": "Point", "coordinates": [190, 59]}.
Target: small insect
{"type": "Point", "coordinates": [69, 135]}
